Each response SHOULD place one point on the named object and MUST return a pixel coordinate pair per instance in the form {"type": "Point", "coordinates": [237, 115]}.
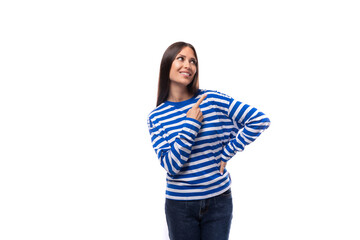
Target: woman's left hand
{"type": "Point", "coordinates": [222, 167]}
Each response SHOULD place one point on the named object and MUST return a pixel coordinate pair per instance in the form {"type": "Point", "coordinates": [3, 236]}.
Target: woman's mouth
{"type": "Point", "coordinates": [185, 74]}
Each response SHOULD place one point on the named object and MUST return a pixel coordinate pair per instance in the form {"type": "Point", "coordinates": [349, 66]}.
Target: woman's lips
{"type": "Point", "coordinates": [185, 74]}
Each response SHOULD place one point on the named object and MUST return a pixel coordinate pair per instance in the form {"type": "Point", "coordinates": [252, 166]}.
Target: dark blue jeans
{"type": "Point", "coordinates": [206, 219]}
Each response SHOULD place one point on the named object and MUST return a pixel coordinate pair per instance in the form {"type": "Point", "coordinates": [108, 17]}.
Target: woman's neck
{"type": "Point", "coordinates": [178, 93]}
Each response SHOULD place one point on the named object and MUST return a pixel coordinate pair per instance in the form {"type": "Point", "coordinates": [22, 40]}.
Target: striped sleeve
{"type": "Point", "coordinates": [251, 123]}
{"type": "Point", "coordinates": [174, 155]}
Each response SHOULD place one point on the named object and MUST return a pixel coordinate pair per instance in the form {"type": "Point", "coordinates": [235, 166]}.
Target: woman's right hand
{"type": "Point", "coordinates": [195, 111]}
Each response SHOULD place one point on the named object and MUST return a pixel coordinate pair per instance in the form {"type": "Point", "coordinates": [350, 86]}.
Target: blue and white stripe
{"type": "Point", "coordinates": [190, 151]}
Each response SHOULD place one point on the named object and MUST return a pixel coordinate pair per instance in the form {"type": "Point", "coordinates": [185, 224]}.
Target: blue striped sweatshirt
{"type": "Point", "coordinates": [190, 151]}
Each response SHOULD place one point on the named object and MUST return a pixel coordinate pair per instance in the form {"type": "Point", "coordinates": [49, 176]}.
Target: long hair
{"type": "Point", "coordinates": [165, 66]}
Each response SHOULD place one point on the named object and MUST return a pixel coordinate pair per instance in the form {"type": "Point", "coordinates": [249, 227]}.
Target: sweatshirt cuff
{"type": "Point", "coordinates": [190, 128]}
{"type": "Point", "coordinates": [193, 120]}
{"type": "Point", "coordinates": [227, 153]}
{"type": "Point", "coordinates": [192, 124]}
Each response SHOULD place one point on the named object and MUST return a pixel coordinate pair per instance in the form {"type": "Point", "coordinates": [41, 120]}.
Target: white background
{"type": "Point", "coordinates": [79, 78]}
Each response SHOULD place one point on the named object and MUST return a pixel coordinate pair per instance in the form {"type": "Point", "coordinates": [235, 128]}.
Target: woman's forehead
{"type": "Point", "coordinates": [187, 51]}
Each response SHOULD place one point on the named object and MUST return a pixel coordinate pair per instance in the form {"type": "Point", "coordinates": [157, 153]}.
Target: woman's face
{"type": "Point", "coordinates": [183, 67]}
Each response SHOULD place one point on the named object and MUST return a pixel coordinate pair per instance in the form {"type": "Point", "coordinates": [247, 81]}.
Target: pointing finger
{"type": "Point", "coordinates": [197, 104]}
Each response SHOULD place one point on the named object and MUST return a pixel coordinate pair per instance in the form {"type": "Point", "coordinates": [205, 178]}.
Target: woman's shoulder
{"type": "Point", "coordinates": [215, 94]}
{"type": "Point", "coordinates": [157, 112]}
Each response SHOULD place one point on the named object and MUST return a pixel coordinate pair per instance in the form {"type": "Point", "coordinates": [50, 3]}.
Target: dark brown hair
{"type": "Point", "coordinates": [165, 66]}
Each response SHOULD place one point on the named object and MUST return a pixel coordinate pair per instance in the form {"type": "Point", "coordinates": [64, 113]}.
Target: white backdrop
{"type": "Point", "coordinates": [78, 79]}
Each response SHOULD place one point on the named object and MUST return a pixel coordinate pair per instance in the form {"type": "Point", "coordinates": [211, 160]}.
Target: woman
{"type": "Point", "coordinates": [194, 133]}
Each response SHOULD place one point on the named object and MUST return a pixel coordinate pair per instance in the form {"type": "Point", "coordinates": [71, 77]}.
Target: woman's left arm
{"type": "Point", "coordinates": [252, 123]}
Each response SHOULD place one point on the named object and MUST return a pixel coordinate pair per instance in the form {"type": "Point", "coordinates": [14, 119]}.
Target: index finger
{"type": "Point", "coordinates": [197, 104]}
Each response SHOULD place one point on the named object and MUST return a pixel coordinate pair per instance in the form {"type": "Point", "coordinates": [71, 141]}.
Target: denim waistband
{"type": "Point", "coordinates": [224, 193]}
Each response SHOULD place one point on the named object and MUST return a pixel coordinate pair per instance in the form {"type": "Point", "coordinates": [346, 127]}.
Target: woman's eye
{"type": "Point", "coordinates": [193, 61]}
{"type": "Point", "coordinates": [180, 58]}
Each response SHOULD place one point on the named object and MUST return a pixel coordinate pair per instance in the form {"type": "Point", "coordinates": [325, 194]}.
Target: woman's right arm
{"type": "Point", "coordinates": [173, 156]}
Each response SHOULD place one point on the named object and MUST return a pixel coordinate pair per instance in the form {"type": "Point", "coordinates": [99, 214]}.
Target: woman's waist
{"type": "Point", "coordinates": [197, 179]}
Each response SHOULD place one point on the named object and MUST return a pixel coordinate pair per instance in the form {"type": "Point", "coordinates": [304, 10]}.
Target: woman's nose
{"type": "Point", "coordinates": [187, 64]}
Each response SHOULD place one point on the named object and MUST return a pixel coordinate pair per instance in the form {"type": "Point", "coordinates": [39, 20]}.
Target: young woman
{"type": "Point", "coordinates": [194, 132]}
